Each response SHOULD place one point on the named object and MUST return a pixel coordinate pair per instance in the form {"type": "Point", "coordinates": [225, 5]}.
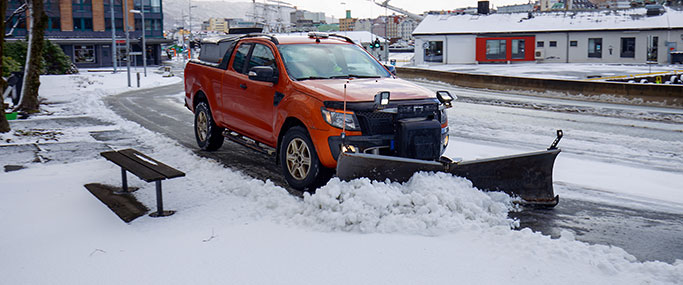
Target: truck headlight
{"type": "Point", "coordinates": [337, 119]}
{"type": "Point", "coordinates": [444, 117]}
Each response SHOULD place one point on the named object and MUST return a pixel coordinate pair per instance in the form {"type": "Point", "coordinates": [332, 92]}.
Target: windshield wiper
{"type": "Point", "coordinates": [356, 76]}
{"type": "Point", "coordinates": [312, 77]}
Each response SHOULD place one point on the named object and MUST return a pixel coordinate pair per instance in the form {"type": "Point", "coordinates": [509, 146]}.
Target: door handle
{"type": "Point", "coordinates": [243, 86]}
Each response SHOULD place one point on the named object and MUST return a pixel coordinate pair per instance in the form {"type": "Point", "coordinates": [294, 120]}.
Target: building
{"type": "Point", "coordinates": [600, 36]}
{"type": "Point", "coordinates": [82, 28]}
{"type": "Point", "coordinates": [348, 23]}
{"type": "Point", "coordinates": [406, 26]}
{"type": "Point", "coordinates": [519, 8]}
{"type": "Point", "coordinates": [218, 25]}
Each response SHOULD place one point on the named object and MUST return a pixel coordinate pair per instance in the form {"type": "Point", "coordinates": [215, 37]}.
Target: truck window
{"type": "Point", "coordinates": [241, 57]}
{"type": "Point", "coordinates": [320, 61]}
{"type": "Point", "coordinates": [262, 56]}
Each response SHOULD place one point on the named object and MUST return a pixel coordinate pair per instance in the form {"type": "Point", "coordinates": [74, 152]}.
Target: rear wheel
{"type": "Point", "coordinates": [209, 136]}
{"type": "Point", "coordinates": [299, 161]}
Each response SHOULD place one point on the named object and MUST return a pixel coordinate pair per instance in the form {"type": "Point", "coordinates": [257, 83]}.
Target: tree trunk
{"type": "Point", "coordinates": [38, 23]}
{"type": "Point", "coordinates": [4, 125]}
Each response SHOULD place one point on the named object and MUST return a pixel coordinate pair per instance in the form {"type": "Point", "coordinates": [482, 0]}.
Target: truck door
{"type": "Point", "coordinates": [231, 91]}
{"type": "Point", "coordinates": [249, 103]}
{"type": "Point", "coordinates": [257, 103]}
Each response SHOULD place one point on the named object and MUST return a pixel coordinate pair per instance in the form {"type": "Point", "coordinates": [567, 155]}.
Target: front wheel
{"type": "Point", "coordinates": [299, 161]}
{"type": "Point", "coordinates": [209, 136]}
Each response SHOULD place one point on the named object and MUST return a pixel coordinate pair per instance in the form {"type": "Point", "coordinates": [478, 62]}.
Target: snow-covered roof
{"type": "Point", "coordinates": [632, 19]}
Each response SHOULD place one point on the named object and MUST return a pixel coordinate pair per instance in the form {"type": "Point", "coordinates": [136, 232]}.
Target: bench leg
{"type": "Point", "coordinates": [124, 179]}
{"type": "Point", "coordinates": [160, 204]}
{"type": "Point", "coordinates": [160, 201]}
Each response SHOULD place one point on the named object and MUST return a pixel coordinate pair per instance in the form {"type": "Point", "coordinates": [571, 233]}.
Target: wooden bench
{"type": "Point", "coordinates": [147, 169]}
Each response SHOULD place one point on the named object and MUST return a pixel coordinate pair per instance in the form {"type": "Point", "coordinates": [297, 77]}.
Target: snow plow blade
{"type": "Point", "coordinates": [528, 175]}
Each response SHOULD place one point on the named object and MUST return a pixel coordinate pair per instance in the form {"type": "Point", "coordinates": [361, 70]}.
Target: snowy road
{"type": "Point", "coordinates": [638, 141]}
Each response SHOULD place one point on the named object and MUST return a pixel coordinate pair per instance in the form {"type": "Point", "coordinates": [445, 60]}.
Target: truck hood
{"type": "Point", "coordinates": [362, 90]}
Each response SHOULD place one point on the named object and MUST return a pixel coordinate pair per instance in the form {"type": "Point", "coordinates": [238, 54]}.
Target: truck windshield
{"type": "Point", "coordinates": [326, 61]}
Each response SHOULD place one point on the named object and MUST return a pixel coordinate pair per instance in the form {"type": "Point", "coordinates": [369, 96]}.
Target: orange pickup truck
{"type": "Point", "coordinates": [300, 98]}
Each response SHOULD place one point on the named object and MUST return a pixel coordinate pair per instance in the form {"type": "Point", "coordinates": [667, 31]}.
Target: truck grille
{"type": "Point", "coordinates": [376, 123]}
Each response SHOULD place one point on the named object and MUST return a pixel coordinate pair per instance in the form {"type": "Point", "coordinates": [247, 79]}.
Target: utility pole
{"type": "Point", "coordinates": [125, 25]}
{"type": "Point", "coordinates": [114, 59]}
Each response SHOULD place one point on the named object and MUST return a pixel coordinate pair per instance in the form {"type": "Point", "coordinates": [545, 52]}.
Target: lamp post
{"type": "Point", "coordinates": [114, 58]}
{"type": "Point", "coordinates": [144, 46]}
{"type": "Point", "coordinates": [127, 27]}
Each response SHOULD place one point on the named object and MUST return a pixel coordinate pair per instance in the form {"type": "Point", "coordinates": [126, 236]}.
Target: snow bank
{"type": "Point", "coordinates": [231, 228]}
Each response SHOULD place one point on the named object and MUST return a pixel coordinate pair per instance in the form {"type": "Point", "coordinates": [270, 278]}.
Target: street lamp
{"type": "Point", "coordinates": [144, 47]}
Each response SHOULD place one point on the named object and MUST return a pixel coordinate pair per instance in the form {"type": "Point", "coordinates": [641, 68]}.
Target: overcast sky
{"type": "Point", "coordinates": [366, 9]}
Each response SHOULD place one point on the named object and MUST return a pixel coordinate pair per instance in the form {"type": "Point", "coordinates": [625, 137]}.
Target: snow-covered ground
{"type": "Point", "coordinates": [230, 228]}
{"type": "Point", "coordinates": [571, 71]}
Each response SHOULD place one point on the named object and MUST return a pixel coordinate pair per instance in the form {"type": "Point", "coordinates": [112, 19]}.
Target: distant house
{"type": "Point", "coordinates": [82, 28]}
{"type": "Point", "coordinates": [601, 36]}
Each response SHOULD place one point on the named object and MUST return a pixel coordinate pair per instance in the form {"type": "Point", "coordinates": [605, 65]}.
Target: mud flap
{"type": "Point", "coordinates": [528, 175]}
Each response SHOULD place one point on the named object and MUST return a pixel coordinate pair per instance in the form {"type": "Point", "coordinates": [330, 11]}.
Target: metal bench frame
{"type": "Point", "coordinates": [147, 169]}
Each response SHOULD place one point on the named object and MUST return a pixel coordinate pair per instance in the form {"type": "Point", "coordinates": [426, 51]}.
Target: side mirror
{"type": "Point", "coordinates": [263, 73]}
{"type": "Point", "coordinates": [391, 68]}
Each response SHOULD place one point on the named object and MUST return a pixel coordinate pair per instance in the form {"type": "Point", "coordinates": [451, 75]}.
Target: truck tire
{"type": "Point", "coordinates": [299, 161]}
{"type": "Point", "coordinates": [209, 136]}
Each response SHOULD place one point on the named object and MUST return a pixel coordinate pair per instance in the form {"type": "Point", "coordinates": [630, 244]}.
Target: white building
{"type": "Point", "coordinates": [601, 36]}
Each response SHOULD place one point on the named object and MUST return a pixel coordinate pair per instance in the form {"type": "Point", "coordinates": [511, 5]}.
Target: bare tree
{"type": "Point", "coordinates": [4, 125]}
{"type": "Point", "coordinates": [38, 23]}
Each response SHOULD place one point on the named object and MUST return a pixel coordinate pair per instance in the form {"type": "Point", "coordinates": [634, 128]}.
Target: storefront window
{"type": "Point", "coordinates": [496, 49]}
{"type": "Point", "coordinates": [595, 47]}
{"type": "Point", "coordinates": [84, 54]}
{"type": "Point", "coordinates": [628, 47]}
{"type": "Point", "coordinates": [518, 49]}
{"type": "Point", "coordinates": [433, 51]}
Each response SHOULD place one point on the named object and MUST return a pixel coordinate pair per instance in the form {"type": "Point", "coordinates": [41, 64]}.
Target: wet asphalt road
{"type": "Point", "coordinates": [648, 235]}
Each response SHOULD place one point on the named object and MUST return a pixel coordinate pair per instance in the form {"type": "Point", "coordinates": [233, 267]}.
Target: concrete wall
{"type": "Point", "coordinates": [654, 94]}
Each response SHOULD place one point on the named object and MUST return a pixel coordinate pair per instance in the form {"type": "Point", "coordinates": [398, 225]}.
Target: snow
{"type": "Point", "coordinates": [565, 71]}
{"type": "Point", "coordinates": [600, 20]}
{"type": "Point", "coordinates": [231, 228]}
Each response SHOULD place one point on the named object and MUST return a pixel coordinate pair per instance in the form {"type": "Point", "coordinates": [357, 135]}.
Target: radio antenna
{"type": "Point", "coordinates": [343, 134]}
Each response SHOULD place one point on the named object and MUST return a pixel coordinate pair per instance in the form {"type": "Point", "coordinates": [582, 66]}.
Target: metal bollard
{"type": "Point", "coordinates": [138, 74]}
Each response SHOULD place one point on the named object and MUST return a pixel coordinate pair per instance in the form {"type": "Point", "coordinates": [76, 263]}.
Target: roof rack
{"type": "Point", "coordinates": [343, 37]}
{"type": "Point", "coordinates": [319, 35]}
{"type": "Point", "coordinates": [253, 35]}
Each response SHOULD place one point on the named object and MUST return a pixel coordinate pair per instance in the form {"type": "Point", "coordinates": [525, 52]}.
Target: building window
{"type": "Point", "coordinates": [117, 21]}
{"type": "Point", "coordinates": [495, 49]}
{"type": "Point", "coordinates": [82, 5]}
{"type": "Point", "coordinates": [553, 43]}
{"type": "Point", "coordinates": [433, 51]}
{"type": "Point", "coordinates": [84, 54]}
{"type": "Point", "coordinates": [539, 44]}
{"type": "Point", "coordinates": [82, 24]}
{"type": "Point", "coordinates": [155, 6]}
{"type": "Point", "coordinates": [595, 47]}
{"type": "Point", "coordinates": [573, 43]}
{"type": "Point", "coordinates": [518, 49]}
{"type": "Point", "coordinates": [628, 47]}
{"type": "Point", "coordinates": [54, 24]}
